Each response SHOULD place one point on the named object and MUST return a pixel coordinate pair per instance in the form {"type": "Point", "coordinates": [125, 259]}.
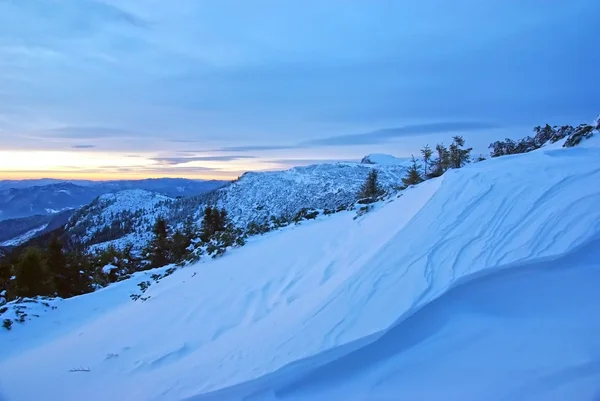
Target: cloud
{"type": "Point", "coordinates": [254, 147]}
{"type": "Point", "coordinates": [375, 137]}
{"type": "Point", "coordinates": [87, 132]}
{"type": "Point", "coordinates": [307, 162]}
{"type": "Point", "coordinates": [83, 146]}
{"type": "Point", "coordinates": [183, 160]}
{"type": "Point", "coordinates": [275, 75]}
{"type": "Point", "coordinates": [388, 134]}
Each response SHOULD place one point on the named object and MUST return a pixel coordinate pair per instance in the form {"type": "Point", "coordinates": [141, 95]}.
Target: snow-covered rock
{"type": "Point", "coordinates": [108, 268]}
{"type": "Point", "coordinates": [480, 284]}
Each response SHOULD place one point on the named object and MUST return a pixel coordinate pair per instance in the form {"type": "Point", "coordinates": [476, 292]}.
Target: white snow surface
{"type": "Point", "coordinates": [481, 284]}
{"type": "Point", "coordinates": [108, 268]}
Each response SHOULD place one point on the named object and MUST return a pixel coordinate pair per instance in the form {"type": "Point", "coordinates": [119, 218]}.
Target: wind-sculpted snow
{"type": "Point", "coordinates": [526, 331]}
{"type": "Point", "coordinates": [325, 289]}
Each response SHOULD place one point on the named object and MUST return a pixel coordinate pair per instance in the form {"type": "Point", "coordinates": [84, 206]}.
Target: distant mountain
{"type": "Point", "coordinates": [44, 200]}
{"type": "Point", "coordinates": [127, 217]}
{"type": "Point", "coordinates": [14, 232]}
{"type": "Point", "coordinates": [384, 160]}
{"type": "Point", "coordinates": [43, 197]}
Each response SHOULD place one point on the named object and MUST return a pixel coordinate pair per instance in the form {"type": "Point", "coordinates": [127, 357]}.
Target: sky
{"type": "Point", "coordinates": [109, 89]}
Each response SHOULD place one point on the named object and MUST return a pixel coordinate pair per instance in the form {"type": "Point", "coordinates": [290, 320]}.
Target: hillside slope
{"type": "Point", "coordinates": [254, 197]}
{"type": "Point", "coordinates": [337, 287]}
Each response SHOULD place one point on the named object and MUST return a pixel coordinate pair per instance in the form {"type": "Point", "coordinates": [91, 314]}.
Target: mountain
{"type": "Point", "coordinates": [127, 217]}
{"type": "Point", "coordinates": [15, 232]}
{"type": "Point", "coordinates": [384, 160]}
{"type": "Point", "coordinates": [44, 200]}
{"type": "Point", "coordinates": [480, 284]}
{"type": "Point", "coordinates": [258, 196]}
{"type": "Point", "coordinates": [123, 217]}
{"type": "Point", "coordinates": [27, 198]}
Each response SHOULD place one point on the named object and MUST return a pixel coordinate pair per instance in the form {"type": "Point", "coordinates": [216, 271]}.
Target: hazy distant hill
{"type": "Point", "coordinates": [47, 196]}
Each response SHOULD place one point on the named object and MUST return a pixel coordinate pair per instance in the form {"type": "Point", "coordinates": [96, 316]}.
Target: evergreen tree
{"type": "Point", "coordinates": [426, 152]}
{"type": "Point", "coordinates": [181, 242]}
{"type": "Point", "coordinates": [58, 269]}
{"type": "Point", "coordinates": [413, 175]}
{"type": "Point", "coordinates": [159, 246]}
{"type": "Point", "coordinates": [80, 272]}
{"type": "Point", "coordinates": [214, 221]}
{"type": "Point", "coordinates": [370, 188]}
{"type": "Point", "coordinates": [457, 155]}
{"type": "Point", "coordinates": [442, 162]}
{"type": "Point", "coordinates": [32, 278]}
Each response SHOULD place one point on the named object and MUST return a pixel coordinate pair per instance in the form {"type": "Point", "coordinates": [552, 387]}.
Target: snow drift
{"type": "Point", "coordinates": [459, 280]}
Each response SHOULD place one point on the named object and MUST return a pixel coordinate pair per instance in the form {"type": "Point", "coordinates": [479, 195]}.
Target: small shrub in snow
{"type": "Point", "coordinates": [363, 210]}
{"type": "Point", "coordinates": [144, 285]}
{"type": "Point", "coordinates": [7, 324]}
{"type": "Point", "coordinates": [3, 309]}
{"type": "Point", "coordinates": [582, 132]}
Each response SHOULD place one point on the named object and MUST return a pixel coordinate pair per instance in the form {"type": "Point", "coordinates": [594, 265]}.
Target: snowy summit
{"type": "Point", "coordinates": [383, 160]}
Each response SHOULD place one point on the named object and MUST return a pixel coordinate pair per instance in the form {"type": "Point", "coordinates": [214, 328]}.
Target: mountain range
{"type": "Point", "coordinates": [44, 197]}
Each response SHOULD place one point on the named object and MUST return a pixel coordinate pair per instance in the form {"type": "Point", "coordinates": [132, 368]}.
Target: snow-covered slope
{"type": "Point", "coordinates": [357, 297]}
{"type": "Point", "coordinates": [128, 215]}
{"type": "Point", "coordinates": [24, 237]}
{"type": "Point", "coordinates": [253, 197]}
{"type": "Point", "coordinates": [256, 196]}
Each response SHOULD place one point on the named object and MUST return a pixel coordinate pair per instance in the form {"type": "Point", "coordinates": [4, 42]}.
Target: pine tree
{"type": "Point", "coordinates": [80, 272]}
{"type": "Point", "coordinates": [58, 269]}
{"type": "Point", "coordinates": [32, 278]}
{"type": "Point", "coordinates": [370, 189]}
{"type": "Point", "coordinates": [426, 152]}
{"type": "Point", "coordinates": [214, 221]}
{"type": "Point", "coordinates": [459, 156]}
{"type": "Point", "coordinates": [159, 246]}
{"type": "Point", "coordinates": [181, 242]}
{"type": "Point", "coordinates": [413, 175]}
{"type": "Point", "coordinates": [442, 162]}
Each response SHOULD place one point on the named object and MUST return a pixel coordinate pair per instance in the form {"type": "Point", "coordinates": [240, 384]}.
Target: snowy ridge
{"type": "Point", "coordinates": [21, 239]}
{"type": "Point", "coordinates": [257, 196]}
{"type": "Point", "coordinates": [384, 160]}
{"type": "Point", "coordinates": [325, 292]}
{"type": "Point", "coordinates": [133, 212]}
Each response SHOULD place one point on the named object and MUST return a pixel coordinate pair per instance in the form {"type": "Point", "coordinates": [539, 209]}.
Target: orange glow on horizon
{"type": "Point", "coordinates": [107, 176]}
{"type": "Point", "coordinates": [103, 166]}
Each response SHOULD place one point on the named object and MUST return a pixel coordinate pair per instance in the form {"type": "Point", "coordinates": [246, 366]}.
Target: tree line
{"type": "Point", "coordinates": [434, 164]}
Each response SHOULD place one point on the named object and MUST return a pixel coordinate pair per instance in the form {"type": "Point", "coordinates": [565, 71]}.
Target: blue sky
{"type": "Point", "coordinates": [213, 88]}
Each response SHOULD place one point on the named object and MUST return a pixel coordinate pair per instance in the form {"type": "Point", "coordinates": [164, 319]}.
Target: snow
{"type": "Point", "coordinates": [102, 212]}
{"type": "Point", "coordinates": [384, 160]}
{"type": "Point", "coordinates": [108, 268]}
{"type": "Point", "coordinates": [481, 284]}
{"type": "Point", "coordinates": [21, 239]}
